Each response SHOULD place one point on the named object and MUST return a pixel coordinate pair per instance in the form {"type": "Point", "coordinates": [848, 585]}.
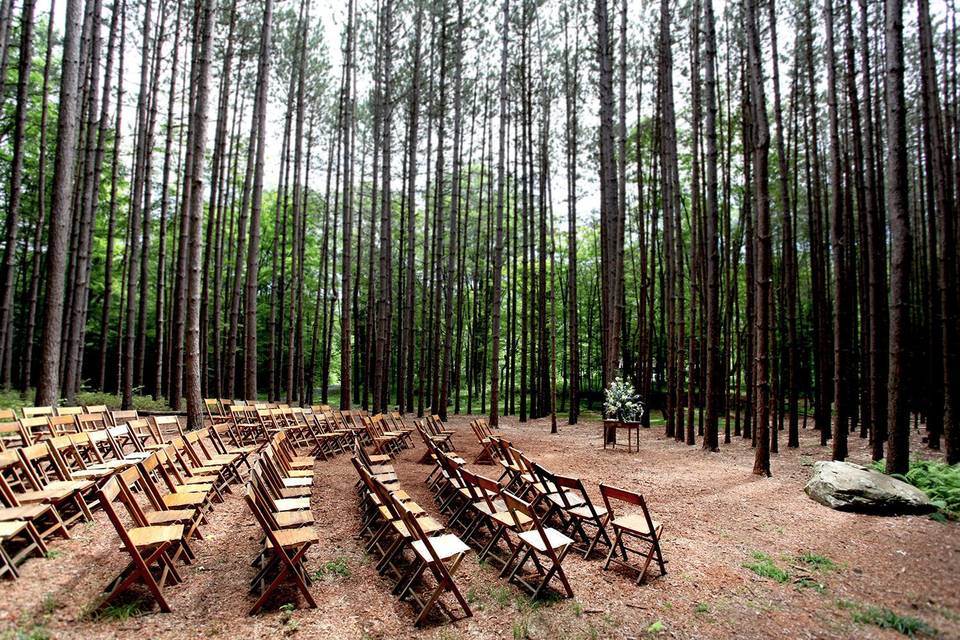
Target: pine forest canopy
{"type": "Point", "coordinates": [747, 210]}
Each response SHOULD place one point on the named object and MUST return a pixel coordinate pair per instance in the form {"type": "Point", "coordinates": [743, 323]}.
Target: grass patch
{"type": "Point", "coordinates": [49, 604]}
{"type": "Point", "coordinates": [702, 607]}
{"type": "Point", "coordinates": [764, 566]}
{"type": "Point", "coordinates": [819, 562]}
{"type": "Point", "coordinates": [14, 399]}
{"type": "Point", "coordinates": [940, 481]}
{"type": "Point", "coordinates": [119, 612]}
{"type": "Point", "coordinates": [810, 583]}
{"type": "Point", "coordinates": [888, 619]}
{"type": "Point", "coordinates": [520, 630]}
{"type": "Point", "coordinates": [657, 627]}
{"type": "Point", "coordinates": [53, 554]}
{"type": "Point", "coordinates": [32, 632]}
{"type": "Point", "coordinates": [332, 570]}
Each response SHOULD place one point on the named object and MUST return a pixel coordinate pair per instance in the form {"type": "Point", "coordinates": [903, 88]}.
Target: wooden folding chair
{"type": "Point", "coordinates": [153, 549]}
{"type": "Point", "coordinates": [247, 423]}
{"type": "Point", "coordinates": [225, 441]}
{"type": "Point", "coordinates": [18, 540]}
{"type": "Point", "coordinates": [484, 438]}
{"type": "Point", "coordinates": [67, 411]}
{"type": "Point", "coordinates": [182, 494]}
{"type": "Point", "coordinates": [156, 513]}
{"type": "Point", "coordinates": [538, 543]}
{"type": "Point", "coordinates": [581, 513]}
{"type": "Point", "coordinates": [283, 555]}
{"type": "Point", "coordinates": [214, 411]}
{"type": "Point", "coordinates": [441, 555]}
{"type": "Point", "coordinates": [636, 526]}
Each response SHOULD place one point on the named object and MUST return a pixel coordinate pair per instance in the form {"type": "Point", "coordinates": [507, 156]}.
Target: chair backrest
{"type": "Point", "coordinates": [13, 435]}
{"type": "Point", "coordinates": [43, 462]}
{"type": "Point", "coordinates": [122, 417]}
{"type": "Point", "coordinates": [60, 425]}
{"type": "Point", "coordinates": [166, 427]}
{"type": "Point", "coordinates": [7, 415]}
{"type": "Point", "coordinates": [68, 411]}
{"type": "Point", "coordinates": [91, 421]}
{"type": "Point", "coordinates": [35, 412]}
{"type": "Point", "coordinates": [37, 428]}
{"type": "Point", "coordinates": [97, 408]}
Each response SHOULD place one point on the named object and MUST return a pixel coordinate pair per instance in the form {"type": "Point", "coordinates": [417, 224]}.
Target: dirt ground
{"type": "Point", "coordinates": [717, 515]}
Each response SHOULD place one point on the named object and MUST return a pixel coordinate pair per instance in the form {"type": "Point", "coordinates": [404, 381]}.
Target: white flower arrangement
{"type": "Point", "coordinates": [621, 402]}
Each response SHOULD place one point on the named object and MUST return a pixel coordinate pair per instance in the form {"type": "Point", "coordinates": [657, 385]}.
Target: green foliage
{"type": "Point", "coordinates": [53, 554]}
{"type": "Point", "coordinates": [887, 619]}
{"type": "Point", "coordinates": [764, 566]}
{"type": "Point", "coordinates": [818, 562]}
{"type": "Point", "coordinates": [120, 612]}
{"type": "Point", "coordinates": [622, 402]}
{"type": "Point", "coordinates": [13, 399]}
{"type": "Point", "coordinates": [939, 480]}
{"type": "Point", "coordinates": [656, 627]}
{"type": "Point", "coordinates": [702, 607]}
{"type": "Point", "coordinates": [30, 632]}
{"type": "Point", "coordinates": [809, 583]}
{"type": "Point", "coordinates": [336, 568]}
{"type": "Point", "coordinates": [520, 631]}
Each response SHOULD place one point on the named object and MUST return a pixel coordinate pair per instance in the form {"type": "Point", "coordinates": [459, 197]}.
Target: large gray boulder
{"type": "Point", "coordinates": [849, 487]}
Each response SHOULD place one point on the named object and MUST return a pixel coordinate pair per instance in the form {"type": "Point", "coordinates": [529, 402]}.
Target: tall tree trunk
{"type": "Point", "coordinates": [901, 241]}
{"type": "Point", "coordinates": [253, 248]}
{"type": "Point", "coordinates": [60, 210]}
{"type": "Point", "coordinates": [761, 150]}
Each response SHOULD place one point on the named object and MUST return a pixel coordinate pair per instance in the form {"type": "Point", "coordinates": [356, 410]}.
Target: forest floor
{"type": "Point", "coordinates": [845, 575]}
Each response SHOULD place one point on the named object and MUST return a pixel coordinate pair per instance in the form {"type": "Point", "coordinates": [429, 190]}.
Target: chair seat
{"type": "Point", "coordinates": [445, 546]}
{"type": "Point", "coordinates": [24, 512]}
{"type": "Point", "coordinates": [555, 539]}
{"type": "Point", "coordinates": [294, 537]}
{"type": "Point", "coordinates": [223, 458]}
{"type": "Point", "coordinates": [197, 480]}
{"type": "Point", "coordinates": [504, 517]}
{"type": "Point", "coordinates": [291, 504]}
{"type": "Point", "coordinates": [428, 524]}
{"type": "Point", "coordinates": [44, 495]}
{"type": "Point", "coordinates": [170, 516]}
{"type": "Point", "coordinates": [290, 519]}
{"type": "Point", "coordinates": [379, 458]}
{"type": "Point", "coordinates": [193, 488]}
{"type": "Point", "coordinates": [11, 528]}
{"type": "Point", "coordinates": [149, 536]}
{"type": "Point", "coordinates": [70, 485]}
{"type": "Point", "coordinates": [569, 498]}
{"type": "Point", "coordinates": [137, 456]}
{"type": "Point", "coordinates": [584, 511]}
{"type": "Point", "coordinates": [95, 474]}
{"type": "Point", "coordinates": [297, 482]}
{"type": "Point", "coordinates": [184, 499]}
{"type": "Point", "coordinates": [301, 473]}
{"type": "Point", "coordinates": [636, 523]}
{"type": "Point", "coordinates": [296, 492]}
{"type": "Point", "coordinates": [111, 464]}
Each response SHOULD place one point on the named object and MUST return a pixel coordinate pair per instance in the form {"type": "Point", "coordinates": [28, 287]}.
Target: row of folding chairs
{"type": "Point", "coordinates": [564, 501]}
{"type": "Point", "coordinates": [58, 482]}
{"type": "Point", "coordinates": [419, 554]}
{"type": "Point", "coordinates": [558, 507]}
{"type": "Point", "coordinates": [26, 431]}
{"type": "Point", "coordinates": [278, 495]}
{"type": "Point", "coordinates": [7, 415]}
{"type": "Point", "coordinates": [388, 433]}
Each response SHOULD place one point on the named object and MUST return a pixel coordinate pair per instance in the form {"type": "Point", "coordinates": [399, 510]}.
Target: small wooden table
{"type": "Point", "coordinates": [610, 428]}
